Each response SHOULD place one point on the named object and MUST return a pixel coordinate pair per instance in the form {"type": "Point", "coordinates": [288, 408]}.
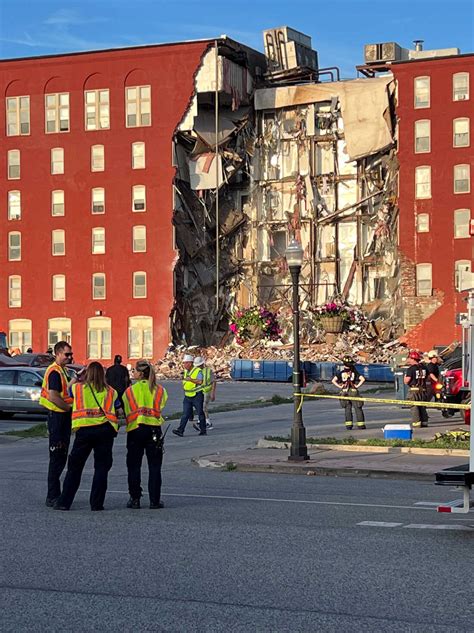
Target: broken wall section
{"type": "Point", "coordinates": [324, 169]}
{"type": "Point", "coordinates": [211, 189]}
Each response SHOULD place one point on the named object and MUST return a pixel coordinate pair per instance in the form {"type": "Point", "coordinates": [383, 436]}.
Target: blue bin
{"type": "Point", "coordinates": [265, 370]}
{"type": "Point", "coordinates": [397, 432]}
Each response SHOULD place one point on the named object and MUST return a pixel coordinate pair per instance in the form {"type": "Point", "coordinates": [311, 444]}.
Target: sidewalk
{"type": "Point", "coordinates": [336, 463]}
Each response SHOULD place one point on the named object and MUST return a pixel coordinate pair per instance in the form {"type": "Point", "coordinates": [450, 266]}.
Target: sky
{"type": "Point", "coordinates": [339, 28]}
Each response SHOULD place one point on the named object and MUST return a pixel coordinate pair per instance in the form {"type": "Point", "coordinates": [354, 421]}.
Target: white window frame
{"type": "Point", "coordinates": [135, 239]}
{"type": "Point", "coordinates": [136, 294]}
{"type": "Point", "coordinates": [58, 207]}
{"type": "Point", "coordinates": [98, 240]}
{"type": "Point", "coordinates": [97, 158]}
{"type": "Point", "coordinates": [14, 251]}
{"type": "Point", "coordinates": [461, 136]}
{"type": "Point", "coordinates": [423, 223]}
{"type": "Point", "coordinates": [59, 287]}
{"type": "Point", "coordinates": [56, 242]}
{"type": "Point", "coordinates": [100, 325]}
{"type": "Point", "coordinates": [468, 169]}
{"type": "Point", "coordinates": [138, 155]}
{"type": "Point", "coordinates": [59, 112]}
{"type": "Point", "coordinates": [420, 194]}
{"type": "Point", "coordinates": [419, 137]}
{"type": "Point", "coordinates": [13, 161]}
{"type": "Point", "coordinates": [462, 223]}
{"type": "Point", "coordinates": [457, 95]}
{"type": "Point", "coordinates": [96, 287]}
{"type": "Point", "coordinates": [423, 291]}
{"type": "Point", "coordinates": [416, 90]}
{"type": "Point", "coordinates": [138, 332]}
{"type": "Point", "coordinates": [98, 200]}
{"type": "Point", "coordinates": [14, 206]}
{"type": "Point", "coordinates": [14, 291]}
{"type": "Point", "coordinates": [57, 163]}
{"type": "Point", "coordinates": [138, 102]}
{"type": "Point", "coordinates": [21, 105]}
{"type": "Point", "coordinates": [138, 199]}
{"type": "Point", "coordinates": [459, 266]}
{"type": "Point", "coordinates": [99, 119]}
{"type": "Point", "coordinates": [61, 328]}
{"type": "Point", "coordinates": [22, 330]}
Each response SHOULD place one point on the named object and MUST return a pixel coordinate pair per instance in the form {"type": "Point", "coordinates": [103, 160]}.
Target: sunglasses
{"type": "Point", "coordinates": [68, 354]}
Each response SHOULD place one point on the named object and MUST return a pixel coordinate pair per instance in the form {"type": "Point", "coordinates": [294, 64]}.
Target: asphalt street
{"type": "Point", "coordinates": [233, 551]}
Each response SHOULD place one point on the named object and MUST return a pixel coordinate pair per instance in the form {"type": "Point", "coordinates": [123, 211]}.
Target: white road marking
{"type": "Point", "coordinates": [272, 500]}
{"type": "Point", "coordinates": [427, 503]}
{"type": "Point", "coordinates": [380, 523]}
{"type": "Point", "coordinates": [418, 526]}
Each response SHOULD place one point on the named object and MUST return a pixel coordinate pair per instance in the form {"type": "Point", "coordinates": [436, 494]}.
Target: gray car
{"type": "Point", "coordinates": [20, 389]}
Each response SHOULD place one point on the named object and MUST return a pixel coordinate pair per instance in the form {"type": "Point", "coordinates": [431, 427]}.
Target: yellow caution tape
{"type": "Point", "coordinates": [410, 403]}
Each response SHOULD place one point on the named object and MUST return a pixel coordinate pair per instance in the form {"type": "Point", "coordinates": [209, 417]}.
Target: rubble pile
{"type": "Point", "coordinates": [332, 350]}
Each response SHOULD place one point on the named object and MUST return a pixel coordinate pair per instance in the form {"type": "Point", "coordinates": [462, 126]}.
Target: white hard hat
{"type": "Point", "coordinates": [198, 361]}
{"type": "Point", "coordinates": [188, 358]}
{"type": "Point", "coordinates": [432, 353]}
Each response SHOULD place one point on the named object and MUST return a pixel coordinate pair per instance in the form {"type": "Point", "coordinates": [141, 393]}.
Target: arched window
{"type": "Point", "coordinates": [460, 86]}
{"type": "Point", "coordinates": [57, 202]}
{"type": "Point", "coordinates": [139, 239]}
{"type": "Point", "coordinates": [138, 198]}
{"type": "Point", "coordinates": [98, 240]}
{"type": "Point", "coordinates": [14, 246]}
{"type": "Point", "coordinates": [97, 158]}
{"type": "Point", "coordinates": [59, 287]}
{"type": "Point", "coordinates": [461, 132]}
{"type": "Point", "coordinates": [58, 241]}
{"type": "Point", "coordinates": [98, 286]}
{"type": "Point", "coordinates": [422, 136]}
{"type": "Point", "coordinates": [19, 334]}
{"type": "Point", "coordinates": [423, 182]}
{"type": "Point", "coordinates": [13, 164]}
{"type": "Point", "coordinates": [422, 92]}
{"type": "Point", "coordinates": [14, 291]}
{"type": "Point", "coordinates": [140, 337]}
{"type": "Point", "coordinates": [462, 178]}
{"type": "Point", "coordinates": [462, 269]}
{"type": "Point", "coordinates": [139, 285]}
{"type": "Point", "coordinates": [99, 336]}
{"type": "Point", "coordinates": [59, 329]}
{"type": "Point", "coordinates": [14, 205]}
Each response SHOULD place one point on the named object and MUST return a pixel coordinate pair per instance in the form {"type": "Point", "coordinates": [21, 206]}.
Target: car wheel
{"type": "Point", "coordinates": [5, 415]}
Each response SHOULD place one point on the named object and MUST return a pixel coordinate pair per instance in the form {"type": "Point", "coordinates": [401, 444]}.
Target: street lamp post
{"type": "Point", "coordinates": [298, 451]}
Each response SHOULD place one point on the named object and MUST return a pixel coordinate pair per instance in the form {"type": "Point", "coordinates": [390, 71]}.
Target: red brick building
{"type": "Point", "coordinates": [435, 115]}
{"type": "Point", "coordinates": [86, 235]}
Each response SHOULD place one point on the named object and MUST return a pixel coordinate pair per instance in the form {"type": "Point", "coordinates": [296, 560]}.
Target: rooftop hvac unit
{"type": "Point", "coordinates": [383, 52]}
{"type": "Point", "coordinates": [286, 48]}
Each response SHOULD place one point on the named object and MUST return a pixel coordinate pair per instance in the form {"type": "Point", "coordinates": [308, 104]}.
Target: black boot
{"type": "Point", "coordinates": [133, 503]}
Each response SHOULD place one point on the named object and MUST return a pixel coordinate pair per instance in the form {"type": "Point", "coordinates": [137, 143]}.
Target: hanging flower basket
{"type": "Point", "coordinates": [333, 324]}
{"type": "Point", "coordinates": [254, 324]}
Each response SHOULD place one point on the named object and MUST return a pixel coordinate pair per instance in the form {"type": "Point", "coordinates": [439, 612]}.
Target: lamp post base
{"type": "Point", "coordinates": [298, 451]}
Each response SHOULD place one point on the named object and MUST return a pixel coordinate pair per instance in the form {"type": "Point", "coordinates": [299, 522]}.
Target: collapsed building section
{"type": "Point", "coordinates": [212, 150]}
{"type": "Point", "coordinates": [324, 169]}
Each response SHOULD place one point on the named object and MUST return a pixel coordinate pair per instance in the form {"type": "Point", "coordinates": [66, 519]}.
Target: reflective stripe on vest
{"type": "Point", "coordinates": [44, 397]}
{"type": "Point", "coordinates": [86, 412]}
{"type": "Point", "coordinates": [143, 407]}
{"type": "Point", "coordinates": [190, 389]}
{"type": "Point", "coordinates": [206, 380]}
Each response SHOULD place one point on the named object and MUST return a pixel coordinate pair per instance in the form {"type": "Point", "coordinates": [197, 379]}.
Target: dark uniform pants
{"type": "Point", "coordinates": [139, 441]}
{"type": "Point", "coordinates": [99, 439]}
{"type": "Point", "coordinates": [59, 430]}
{"type": "Point", "coordinates": [418, 413]}
{"type": "Point", "coordinates": [197, 402]}
{"type": "Point", "coordinates": [357, 404]}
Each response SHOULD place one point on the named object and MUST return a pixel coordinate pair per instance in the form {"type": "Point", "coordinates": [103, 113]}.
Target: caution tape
{"type": "Point", "coordinates": [410, 403]}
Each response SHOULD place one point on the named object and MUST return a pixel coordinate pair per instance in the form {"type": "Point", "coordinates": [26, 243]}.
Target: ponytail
{"type": "Point", "coordinates": [148, 372]}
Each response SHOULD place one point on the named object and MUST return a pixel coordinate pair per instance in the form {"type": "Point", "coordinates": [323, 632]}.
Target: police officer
{"type": "Point", "coordinates": [349, 380]}
{"type": "Point", "coordinates": [415, 378]}
{"type": "Point", "coordinates": [193, 396]}
{"type": "Point", "coordinates": [56, 399]}
{"type": "Point", "coordinates": [208, 388]}
{"type": "Point", "coordinates": [94, 422]}
{"type": "Point", "coordinates": [144, 402]}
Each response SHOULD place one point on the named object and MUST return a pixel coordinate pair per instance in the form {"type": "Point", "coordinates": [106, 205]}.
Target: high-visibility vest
{"type": "Point", "coordinates": [44, 397]}
{"type": "Point", "coordinates": [143, 406]}
{"type": "Point", "coordinates": [206, 380]}
{"type": "Point", "coordinates": [190, 389]}
{"type": "Point", "coordinates": [86, 411]}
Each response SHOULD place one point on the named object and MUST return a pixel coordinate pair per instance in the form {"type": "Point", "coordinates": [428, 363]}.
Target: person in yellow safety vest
{"type": "Point", "coordinates": [95, 424]}
{"type": "Point", "coordinates": [144, 402]}
{"type": "Point", "coordinates": [193, 396]}
{"type": "Point", "coordinates": [208, 389]}
{"type": "Point", "coordinates": [56, 399]}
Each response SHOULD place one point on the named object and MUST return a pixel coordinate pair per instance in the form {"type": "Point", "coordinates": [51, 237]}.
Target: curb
{"type": "Point", "coordinates": [315, 471]}
{"type": "Point", "coordinates": [397, 450]}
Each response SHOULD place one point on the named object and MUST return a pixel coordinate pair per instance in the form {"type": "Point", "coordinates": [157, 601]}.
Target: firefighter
{"type": "Point", "coordinates": [56, 399]}
{"type": "Point", "coordinates": [193, 396]}
{"type": "Point", "coordinates": [94, 422]}
{"type": "Point", "coordinates": [144, 402]}
{"type": "Point", "coordinates": [349, 380]}
{"type": "Point", "coordinates": [415, 378]}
